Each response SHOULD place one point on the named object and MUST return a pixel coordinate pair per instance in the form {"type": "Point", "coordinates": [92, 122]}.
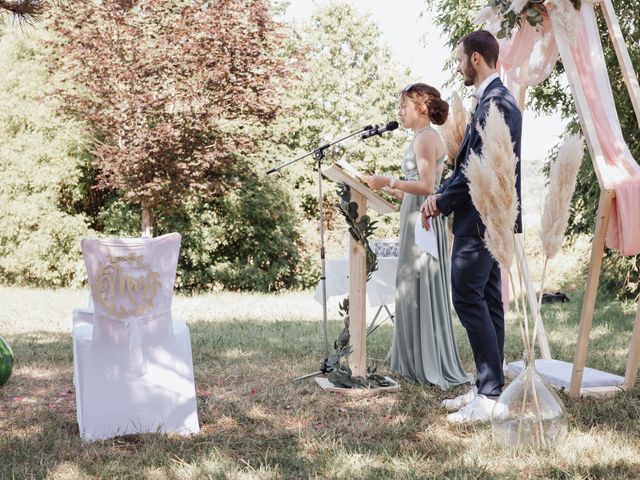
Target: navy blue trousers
{"type": "Point", "coordinates": [477, 299]}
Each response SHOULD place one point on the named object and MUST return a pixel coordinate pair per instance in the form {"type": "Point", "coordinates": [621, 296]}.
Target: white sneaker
{"type": "Point", "coordinates": [478, 411]}
{"type": "Point", "coordinates": [455, 404]}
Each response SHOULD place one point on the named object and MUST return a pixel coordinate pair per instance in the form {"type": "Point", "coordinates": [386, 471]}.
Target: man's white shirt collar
{"type": "Point", "coordinates": [483, 86]}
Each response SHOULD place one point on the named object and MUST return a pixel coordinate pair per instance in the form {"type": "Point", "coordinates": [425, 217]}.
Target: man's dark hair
{"type": "Point", "coordinates": [484, 43]}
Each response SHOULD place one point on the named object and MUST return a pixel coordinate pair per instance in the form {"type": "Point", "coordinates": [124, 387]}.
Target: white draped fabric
{"type": "Point", "coordinates": [381, 288]}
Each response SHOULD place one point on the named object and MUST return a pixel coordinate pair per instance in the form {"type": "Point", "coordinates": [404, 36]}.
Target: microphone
{"type": "Point", "coordinates": [379, 130]}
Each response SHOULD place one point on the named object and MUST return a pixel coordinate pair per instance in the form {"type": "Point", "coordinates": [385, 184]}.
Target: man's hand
{"type": "Point", "coordinates": [429, 209]}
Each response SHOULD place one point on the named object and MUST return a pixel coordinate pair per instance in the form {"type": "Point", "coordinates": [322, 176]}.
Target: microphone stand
{"type": "Point", "coordinates": [318, 154]}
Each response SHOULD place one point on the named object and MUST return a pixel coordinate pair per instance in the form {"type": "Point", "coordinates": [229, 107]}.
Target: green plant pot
{"type": "Point", "coordinates": [6, 361]}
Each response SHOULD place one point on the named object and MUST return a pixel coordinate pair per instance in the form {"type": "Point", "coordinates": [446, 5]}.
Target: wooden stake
{"type": "Point", "coordinates": [633, 360]}
{"type": "Point", "coordinates": [545, 353]}
{"type": "Point", "coordinates": [602, 219]}
{"type": "Point", "coordinates": [544, 271]}
{"type": "Point", "coordinates": [582, 107]}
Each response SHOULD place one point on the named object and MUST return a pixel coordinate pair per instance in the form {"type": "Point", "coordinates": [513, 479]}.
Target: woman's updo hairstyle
{"type": "Point", "coordinates": [423, 94]}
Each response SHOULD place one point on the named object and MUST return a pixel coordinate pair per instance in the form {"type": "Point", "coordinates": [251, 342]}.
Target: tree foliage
{"type": "Point", "coordinates": [131, 124]}
{"type": "Point", "coordinates": [49, 175]}
{"type": "Point", "coordinates": [164, 86]}
{"type": "Point", "coordinates": [246, 240]}
{"type": "Point", "coordinates": [41, 155]}
{"type": "Point", "coordinates": [345, 78]}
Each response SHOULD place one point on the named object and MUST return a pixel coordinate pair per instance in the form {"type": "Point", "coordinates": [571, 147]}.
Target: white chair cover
{"type": "Point", "coordinates": [133, 369]}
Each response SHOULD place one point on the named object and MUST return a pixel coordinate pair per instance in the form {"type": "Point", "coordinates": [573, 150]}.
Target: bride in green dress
{"type": "Point", "coordinates": [424, 347]}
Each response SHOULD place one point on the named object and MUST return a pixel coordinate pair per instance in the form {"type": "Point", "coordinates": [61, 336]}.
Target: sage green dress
{"type": "Point", "coordinates": [424, 347]}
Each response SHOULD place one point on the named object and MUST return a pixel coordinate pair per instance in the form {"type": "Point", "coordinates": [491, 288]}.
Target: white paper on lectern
{"type": "Point", "coordinates": [347, 167]}
{"type": "Point", "coordinates": [426, 239]}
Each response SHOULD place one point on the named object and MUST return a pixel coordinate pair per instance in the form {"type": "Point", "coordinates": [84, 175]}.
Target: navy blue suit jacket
{"type": "Point", "coordinates": [454, 191]}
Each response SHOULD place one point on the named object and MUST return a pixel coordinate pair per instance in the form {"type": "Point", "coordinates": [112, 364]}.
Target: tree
{"type": "Point", "coordinates": [620, 274]}
{"type": "Point", "coordinates": [344, 79]}
{"type": "Point", "coordinates": [164, 86]}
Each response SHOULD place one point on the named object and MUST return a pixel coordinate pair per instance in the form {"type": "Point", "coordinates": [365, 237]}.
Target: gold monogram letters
{"type": "Point", "coordinates": [127, 285]}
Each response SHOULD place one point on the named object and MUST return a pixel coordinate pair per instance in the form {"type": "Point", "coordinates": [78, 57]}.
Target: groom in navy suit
{"type": "Point", "coordinates": [475, 275]}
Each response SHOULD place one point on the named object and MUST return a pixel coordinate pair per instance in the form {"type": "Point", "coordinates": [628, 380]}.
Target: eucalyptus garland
{"type": "Point", "coordinates": [533, 13]}
{"type": "Point", "coordinates": [361, 229]}
{"type": "Point", "coordinates": [340, 374]}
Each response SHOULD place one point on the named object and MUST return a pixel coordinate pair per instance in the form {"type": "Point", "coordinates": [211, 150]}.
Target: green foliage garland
{"type": "Point", "coordinates": [340, 374]}
{"type": "Point", "coordinates": [533, 13]}
{"type": "Point", "coordinates": [361, 229]}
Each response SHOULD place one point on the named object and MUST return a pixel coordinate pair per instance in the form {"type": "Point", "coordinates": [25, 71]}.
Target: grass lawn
{"type": "Point", "coordinates": [257, 423]}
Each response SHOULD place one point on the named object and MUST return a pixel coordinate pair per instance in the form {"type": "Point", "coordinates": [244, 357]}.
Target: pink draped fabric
{"type": "Point", "coordinates": [529, 57]}
{"type": "Point", "coordinates": [620, 171]}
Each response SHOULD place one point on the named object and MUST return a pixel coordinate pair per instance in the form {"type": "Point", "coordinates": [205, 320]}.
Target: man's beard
{"type": "Point", "coordinates": [470, 75]}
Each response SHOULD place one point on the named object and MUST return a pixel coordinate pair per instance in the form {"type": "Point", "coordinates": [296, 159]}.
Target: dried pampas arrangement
{"type": "Point", "coordinates": [562, 184]}
{"type": "Point", "coordinates": [453, 129]}
{"type": "Point", "coordinates": [492, 186]}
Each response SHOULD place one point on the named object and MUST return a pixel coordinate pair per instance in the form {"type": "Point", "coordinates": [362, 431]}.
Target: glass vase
{"type": "Point", "coordinates": [6, 361]}
{"type": "Point", "coordinates": [529, 412]}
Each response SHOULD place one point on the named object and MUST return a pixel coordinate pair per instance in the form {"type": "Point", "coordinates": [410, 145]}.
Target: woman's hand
{"type": "Point", "coordinates": [376, 182]}
{"type": "Point", "coordinates": [394, 191]}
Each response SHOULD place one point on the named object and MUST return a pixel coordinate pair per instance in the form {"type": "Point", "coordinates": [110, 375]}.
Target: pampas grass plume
{"type": "Point", "coordinates": [453, 129]}
{"type": "Point", "coordinates": [492, 186]}
{"type": "Point", "coordinates": [562, 184]}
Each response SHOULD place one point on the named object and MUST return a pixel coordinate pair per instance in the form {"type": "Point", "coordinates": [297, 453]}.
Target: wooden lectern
{"type": "Point", "coordinates": [364, 197]}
